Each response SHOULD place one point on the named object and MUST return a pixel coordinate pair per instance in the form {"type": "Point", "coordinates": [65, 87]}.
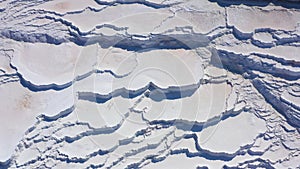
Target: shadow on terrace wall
{"type": "Point", "coordinates": [261, 3]}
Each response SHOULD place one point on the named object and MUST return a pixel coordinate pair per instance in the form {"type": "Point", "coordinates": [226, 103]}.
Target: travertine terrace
{"type": "Point", "coordinates": [149, 84]}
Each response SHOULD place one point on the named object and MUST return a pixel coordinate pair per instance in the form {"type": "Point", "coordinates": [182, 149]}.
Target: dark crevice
{"type": "Point", "coordinates": [154, 92]}
{"type": "Point", "coordinates": [252, 164]}
{"type": "Point", "coordinates": [195, 126]}
{"type": "Point", "coordinates": [59, 115]}
{"type": "Point", "coordinates": [238, 63]}
{"type": "Point", "coordinates": [142, 2]}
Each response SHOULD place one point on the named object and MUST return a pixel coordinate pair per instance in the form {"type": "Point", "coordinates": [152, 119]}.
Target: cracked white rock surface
{"type": "Point", "coordinates": [149, 84]}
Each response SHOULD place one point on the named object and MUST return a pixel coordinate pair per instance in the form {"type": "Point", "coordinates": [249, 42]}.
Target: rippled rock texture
{"type": "Point", "coordinates": [149, 84]}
